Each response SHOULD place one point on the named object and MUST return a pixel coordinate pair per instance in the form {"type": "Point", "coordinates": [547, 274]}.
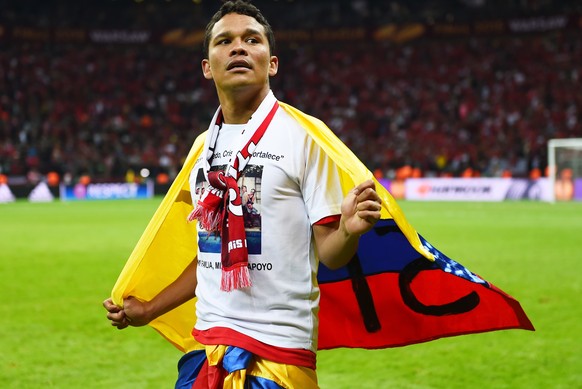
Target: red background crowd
{"type": "Point", "coordinates": [471, 106]}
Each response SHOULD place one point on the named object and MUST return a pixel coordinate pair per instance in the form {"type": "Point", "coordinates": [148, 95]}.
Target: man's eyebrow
{"type": "Point", "coordinates": [228, 33]}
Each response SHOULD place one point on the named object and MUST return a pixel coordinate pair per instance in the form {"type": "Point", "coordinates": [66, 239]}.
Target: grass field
{"type": "Point", "coordinates": [58, 261]}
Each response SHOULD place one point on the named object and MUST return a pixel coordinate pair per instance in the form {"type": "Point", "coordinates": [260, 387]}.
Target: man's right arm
{"type": "Point", "coordinates": [138, 313]}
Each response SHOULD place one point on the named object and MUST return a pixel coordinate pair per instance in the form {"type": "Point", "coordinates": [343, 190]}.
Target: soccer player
{"type": "Point", "coordinates": [257, 298]}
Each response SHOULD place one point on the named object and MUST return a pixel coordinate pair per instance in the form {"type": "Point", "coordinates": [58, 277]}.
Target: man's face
{"type": "Point", "coordinates": [238, 54]}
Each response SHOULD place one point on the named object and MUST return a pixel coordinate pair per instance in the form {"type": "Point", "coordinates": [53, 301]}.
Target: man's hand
{"type": "Point", "coordinates": [134, 313]}
{"type": "Point", "coordinates": [361, 209]}
{"type": "Point", "coordinates": [337, 242]}
{"type": "Point", "coordinates": [137, 313]}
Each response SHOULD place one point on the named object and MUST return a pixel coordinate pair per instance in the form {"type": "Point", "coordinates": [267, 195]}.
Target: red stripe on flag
{"type": "Point", "coordinates": [341, 324]}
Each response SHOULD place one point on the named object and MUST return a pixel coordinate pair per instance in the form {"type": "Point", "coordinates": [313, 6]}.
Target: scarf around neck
{"type": "Point", "coordinates": [220, 207]}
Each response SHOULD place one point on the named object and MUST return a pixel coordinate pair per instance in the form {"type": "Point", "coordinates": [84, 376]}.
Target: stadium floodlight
{"type": "Point", "coordinates": [564, 166]}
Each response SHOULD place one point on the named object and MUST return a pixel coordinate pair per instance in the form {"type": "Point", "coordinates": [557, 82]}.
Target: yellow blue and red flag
{"type": "Point", "coordinates": [233, 367]}
{"type": "Point", "coordinates": [397, 290]}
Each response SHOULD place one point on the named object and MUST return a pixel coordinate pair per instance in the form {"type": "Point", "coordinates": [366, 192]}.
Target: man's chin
{"type": "Point", "coordinates": [242, 84]}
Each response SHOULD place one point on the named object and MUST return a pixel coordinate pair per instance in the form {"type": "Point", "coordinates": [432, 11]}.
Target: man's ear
{"type": "Point", "coordinates": [273, 66]}
{"type": "Point", "coordinates": [206, 71]}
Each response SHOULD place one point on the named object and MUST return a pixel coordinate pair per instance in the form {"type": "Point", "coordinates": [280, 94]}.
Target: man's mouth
{"type": "Point", "coordinates": [239, 64]}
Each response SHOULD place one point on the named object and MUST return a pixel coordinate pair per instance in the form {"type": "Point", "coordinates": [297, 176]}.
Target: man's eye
{"type": "Point", "coordinates": [223, 42]}
{"type": "Point", "coordinates": [252, 40]}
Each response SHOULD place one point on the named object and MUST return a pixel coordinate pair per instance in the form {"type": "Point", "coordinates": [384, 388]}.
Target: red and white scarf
{"type": "Point", "coordinates": [220, 207]}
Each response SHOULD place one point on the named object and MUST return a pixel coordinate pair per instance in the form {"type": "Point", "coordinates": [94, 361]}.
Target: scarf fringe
{"type": "Point", "coordinates": [236, 278]}
{"type": "Point", "coordinates": [209, 220]}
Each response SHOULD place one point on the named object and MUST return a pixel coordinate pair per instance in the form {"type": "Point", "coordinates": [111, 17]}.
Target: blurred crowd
{"type": "Point", "coordinates": [465, 107]}
{"type": "Point", "coordinates": [477, 107]}
{"type": "Point", "coordinates": [165, 14]}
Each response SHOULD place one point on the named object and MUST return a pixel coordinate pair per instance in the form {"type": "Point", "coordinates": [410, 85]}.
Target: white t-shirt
{"type": "Point", "coordinates": [291, 184]}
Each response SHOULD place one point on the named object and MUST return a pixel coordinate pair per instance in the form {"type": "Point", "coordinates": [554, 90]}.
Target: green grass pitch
{"type": "Point", "coordinates": [58, 261]}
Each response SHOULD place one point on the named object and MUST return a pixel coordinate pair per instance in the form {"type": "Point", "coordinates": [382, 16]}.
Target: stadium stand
{"type": "Point", "coordinates": [464, 104]}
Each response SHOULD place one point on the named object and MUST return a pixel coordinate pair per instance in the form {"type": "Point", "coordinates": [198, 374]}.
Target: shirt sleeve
{"type": "Point", "coordinates": [322, 190]}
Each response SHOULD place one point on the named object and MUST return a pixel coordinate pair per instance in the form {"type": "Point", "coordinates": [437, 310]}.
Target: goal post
{"type": "Point", "coordinates": [565, 168]}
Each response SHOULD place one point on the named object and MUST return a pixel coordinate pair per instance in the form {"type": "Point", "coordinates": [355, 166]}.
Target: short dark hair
{"type": "Point", "coordinates": [240, 7]}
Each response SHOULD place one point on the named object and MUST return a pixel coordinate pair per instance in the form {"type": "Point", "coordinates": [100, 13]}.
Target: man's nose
{"type": "Point", "coordinates": [238, 47]}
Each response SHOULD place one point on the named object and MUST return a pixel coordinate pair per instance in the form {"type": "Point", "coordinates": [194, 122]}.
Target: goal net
{"type": "Point", "coordinates": [565, 168]}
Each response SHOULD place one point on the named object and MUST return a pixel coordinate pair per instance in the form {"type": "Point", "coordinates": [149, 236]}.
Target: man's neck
{"type": "Point", "coordinates": [238, 106]}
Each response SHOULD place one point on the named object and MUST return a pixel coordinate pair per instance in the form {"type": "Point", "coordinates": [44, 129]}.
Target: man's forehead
{"type": "Point", "coordinates": [234, 22]}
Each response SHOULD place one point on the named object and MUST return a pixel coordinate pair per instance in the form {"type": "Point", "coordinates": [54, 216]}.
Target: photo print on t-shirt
{"type": "Point", "coordinates": [249, 185]}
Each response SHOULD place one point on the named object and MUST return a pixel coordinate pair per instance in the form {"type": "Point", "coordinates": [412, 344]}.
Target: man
{"type": "Point", "coordinates": [263, 315]}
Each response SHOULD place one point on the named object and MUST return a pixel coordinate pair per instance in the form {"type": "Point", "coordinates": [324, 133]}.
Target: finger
{"type": "Point", "coordinates": [119, 320]}
{"type": "Point", "coordinates": [110, 306]}
{"type": "Point", "coordinates": [368, 194]}
{"type": "Point", "coordinates": [363, 186]}
{"type": "Point", "coordinates": [120, 325]}
{"type": "Point", "coordinates": [369, 210]}
{"type": "Point", "coordinates": [116, 316]}
{"type": "Point", "coordinates": [369, 215]}
{"type": "Point", "coordinates": [368, 205]}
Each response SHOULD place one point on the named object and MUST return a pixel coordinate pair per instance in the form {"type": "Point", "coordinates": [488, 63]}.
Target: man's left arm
{"type": "Point", "coordinates": [337, 242]}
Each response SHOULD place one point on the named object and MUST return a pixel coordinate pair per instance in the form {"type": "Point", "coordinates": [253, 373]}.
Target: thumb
{"type": "Point", "coordinates": [110, 306]}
